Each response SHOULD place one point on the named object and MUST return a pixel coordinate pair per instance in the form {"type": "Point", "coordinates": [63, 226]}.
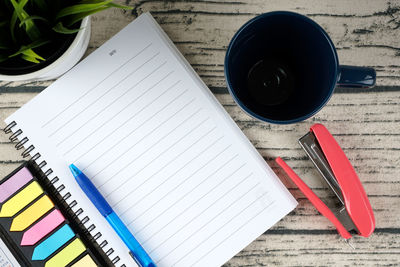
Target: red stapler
{"type": "Point", "coordinates": [355, 212]}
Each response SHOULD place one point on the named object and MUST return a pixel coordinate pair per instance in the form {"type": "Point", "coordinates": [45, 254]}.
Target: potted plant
{"type": "Point", "coordinates": [42, 39]}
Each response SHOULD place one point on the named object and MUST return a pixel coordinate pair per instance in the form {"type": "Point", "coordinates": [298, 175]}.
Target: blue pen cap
{"type": "Point", "coordinates": [91, 191]}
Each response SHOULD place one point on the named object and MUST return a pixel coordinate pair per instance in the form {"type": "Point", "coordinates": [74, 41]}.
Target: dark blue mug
{"type": "Point", "coordinates": [282, 67]}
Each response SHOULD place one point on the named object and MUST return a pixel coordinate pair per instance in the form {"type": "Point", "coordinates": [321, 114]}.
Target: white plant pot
{"type": "Point", "coordinates": [65, 62]}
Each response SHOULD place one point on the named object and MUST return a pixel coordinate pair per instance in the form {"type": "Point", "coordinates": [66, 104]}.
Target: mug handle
{"type": "Point", "coordinates": [356, 77]}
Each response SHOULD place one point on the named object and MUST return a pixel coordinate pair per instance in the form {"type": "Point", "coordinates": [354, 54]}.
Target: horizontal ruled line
{"type": "Point", "coordinates": [77, 130]}
{"type": "Point", "coordinates": [94, 87]}
{"type": "Point", "coordinates": [107, 91]}
{"type": "Point", "coordinates": [199, 214]}
{"type": "Point", "coordinates": [129, 148]}
{"type": "Point", "coordinates": [195, 187]}
{"type": "Point", "coordinates": [193, 173]}
{"type": "Point", "coordinates": [123, 124]}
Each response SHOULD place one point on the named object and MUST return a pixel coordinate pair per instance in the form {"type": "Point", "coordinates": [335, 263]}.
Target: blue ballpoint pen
{"type": "Point", "coordinates": [136, 250]}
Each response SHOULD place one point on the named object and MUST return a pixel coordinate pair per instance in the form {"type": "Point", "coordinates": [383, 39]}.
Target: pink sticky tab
{"type": "Point", "coordinates": [42, 228]}
{"type": "Point", "coordinates": [15, 182]}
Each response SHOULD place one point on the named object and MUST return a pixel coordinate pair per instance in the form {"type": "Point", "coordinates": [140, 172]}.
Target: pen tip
{"type": "Point", "coordinates": [75, 171]}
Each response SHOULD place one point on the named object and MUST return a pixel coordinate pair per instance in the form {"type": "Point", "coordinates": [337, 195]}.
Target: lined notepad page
{"type": "Point", "coordinates": [139, 122]}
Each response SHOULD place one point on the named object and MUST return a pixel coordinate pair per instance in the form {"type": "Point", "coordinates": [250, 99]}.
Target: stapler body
{"type": "Point", "coordinates": [354, 212]}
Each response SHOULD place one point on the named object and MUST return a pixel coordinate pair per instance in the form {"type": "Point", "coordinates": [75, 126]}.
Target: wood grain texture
{"type": "Point", "coordinates": [365, 123]}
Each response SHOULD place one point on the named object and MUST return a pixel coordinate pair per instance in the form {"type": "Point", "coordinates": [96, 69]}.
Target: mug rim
{"type": "Point", "coordinates": [242, 105]}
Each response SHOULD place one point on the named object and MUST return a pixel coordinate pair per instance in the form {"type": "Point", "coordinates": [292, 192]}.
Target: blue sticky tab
{"type": "Point", "coordinates": [52, 243]}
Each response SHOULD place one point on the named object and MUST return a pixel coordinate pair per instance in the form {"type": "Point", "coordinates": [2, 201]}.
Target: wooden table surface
{"type": "Point", "coordinates": [365, 122]}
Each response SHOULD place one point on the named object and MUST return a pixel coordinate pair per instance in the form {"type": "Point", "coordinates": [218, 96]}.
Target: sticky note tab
{"type": "Point", "coordinates": [86, 261]}
{"type": "Point", "coordinates": [52, 243]}
{"type": "Point", "coordinates": [42, 228]}
{"type": "Point", "coordinates": [14, 183]}
{"type": "Point", "coordinates": [67, 254]}
{"type": "Point", "coordinates": [31, 214]}
{"type": "Point", "coordinates": [20, 200]}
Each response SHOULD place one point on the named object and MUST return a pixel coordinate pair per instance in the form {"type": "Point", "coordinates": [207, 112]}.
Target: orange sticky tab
{"type": "Point", "coordinates": [31, 214]}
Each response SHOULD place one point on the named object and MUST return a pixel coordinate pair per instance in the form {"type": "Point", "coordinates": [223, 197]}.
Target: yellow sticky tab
{"type": "Point", "coordinates": [20, 200]}
{"type": "Point", "coordinates": [67, 254]}
{"type": "Point", "coordinates": [86, 261]}
{"type": "Point", "coordinates": [31, 214]}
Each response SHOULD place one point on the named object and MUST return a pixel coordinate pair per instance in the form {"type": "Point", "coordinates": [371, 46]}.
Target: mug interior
{"type": "Point", "coordinates": [281, 67]}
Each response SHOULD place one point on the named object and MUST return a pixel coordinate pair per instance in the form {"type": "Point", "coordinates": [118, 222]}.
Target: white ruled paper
{"type": "Point", "coordinates": [139, 122]}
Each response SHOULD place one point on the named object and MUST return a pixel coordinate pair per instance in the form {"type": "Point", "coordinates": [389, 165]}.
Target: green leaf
{"type": "Point", "coordinates": [23, 3]}
{"type": "Point", "coordinates": [3, 23]}
{"type": "Point", "coordinates": [32, 18]}
{"type": "Point", "coordinates": [30, 58]}
{"type": "Point", "coordinates": [31, 53]}
{"type": "Point", "coordinates": [77, 17]}
{"type": "Point", "coordinates": [31, 30]}
{"type": "Point", "coordinates": [32, 45]}
{"type": "Point", "coordinates": [76, 9]}
{"type": "Point", "coordinates": [61, 29]}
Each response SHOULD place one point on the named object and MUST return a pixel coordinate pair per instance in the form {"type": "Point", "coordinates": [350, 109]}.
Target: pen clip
{"type": "Point", "coordinates": [135, 259]}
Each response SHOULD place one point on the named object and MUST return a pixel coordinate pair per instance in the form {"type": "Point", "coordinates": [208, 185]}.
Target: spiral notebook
{"type": "Point", "coordinates": [138, 120]}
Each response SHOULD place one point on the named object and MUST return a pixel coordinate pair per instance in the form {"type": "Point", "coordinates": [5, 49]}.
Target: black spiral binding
{"type": "Point", "coordinates": [57, 189]}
